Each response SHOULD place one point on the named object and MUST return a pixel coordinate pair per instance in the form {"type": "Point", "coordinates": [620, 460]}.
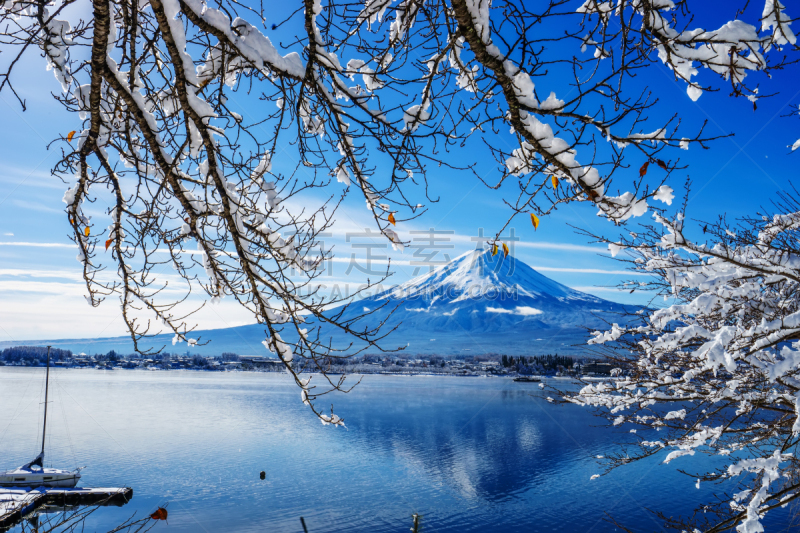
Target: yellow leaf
{"type": "Point", "coordinates": [494, 249]}
{"type": "Point", "coordinates": [391, 219]}
{"type": "Point", "coordinates": [86, 231]}
{"type": "Point", "coordinates": [535, 221]}
{"type": "Point", "coordinates": [555, 181]}
{"type": "Point", "coordinates": [70, 135]}
{"type": "Point", "coordinates": [505, 249]}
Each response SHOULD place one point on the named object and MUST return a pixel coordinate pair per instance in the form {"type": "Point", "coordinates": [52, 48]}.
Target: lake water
{"type": "Point", "coordinates": [467, 454]}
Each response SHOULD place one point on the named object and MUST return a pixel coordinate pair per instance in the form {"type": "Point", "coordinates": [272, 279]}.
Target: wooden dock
{"type": "Point", "coordinates": [16, 504]}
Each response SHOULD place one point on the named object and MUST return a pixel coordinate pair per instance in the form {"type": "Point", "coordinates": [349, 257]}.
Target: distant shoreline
{"type": "Point", "coordinates": [574, 378]}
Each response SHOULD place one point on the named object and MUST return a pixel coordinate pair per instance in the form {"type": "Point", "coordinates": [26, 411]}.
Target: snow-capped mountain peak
{"type": "Point", "coordinates": [479, 274]}
{"type": "Point", "coordinates": [482, 303]}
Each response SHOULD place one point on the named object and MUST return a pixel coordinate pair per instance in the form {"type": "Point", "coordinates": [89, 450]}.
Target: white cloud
{"type": "Point", "coordinates": [351, 220]}
{"type": "Point", "coordinates": [33, 316]}
{"type": "Point", "coordinates": [456, 238]}
{"type": "Point", "coordinates": [36, 273]}
{"type": "Point", "coordinates": [587, 271]}
{"type": "Point", "coordinates": [361, 261]}
{"type": "Point", "coordinates": [588, 288]}
{"type": "Point", "coordinates": [39, 244]}
{"type": "Point", "coordinates": [42, 315]}
{"type": "Point", "coordinates": [24, 177]}
{"type": "Point", "coordinates": [175, 281]}
{"type": "Point", "coordinates": [37, 206]}
{"type": "Point", "coordinates": [190, 252]}
{"type": "Point", "coordinates": [560, 246]}
{"type": "Point", "coordinates": [46, 287]}
{"type": "Point", "coordinates": [8, 234]}
{"type": "Point", "coordinates": [374, 261]}
{"type": "Point", "coordinates": [591, 289]}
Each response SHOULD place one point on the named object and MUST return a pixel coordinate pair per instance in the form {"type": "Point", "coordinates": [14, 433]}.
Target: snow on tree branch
{"type": "Point", "coordinates": [209, 141]}
{"type": "Point", "coordinates": [718, 370]}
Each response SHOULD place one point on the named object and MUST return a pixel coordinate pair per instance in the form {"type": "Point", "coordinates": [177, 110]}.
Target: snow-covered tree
{"type": "Point", "coordinates": [718, 371]}
{"type": "Point", "coordinates": [206, 139]}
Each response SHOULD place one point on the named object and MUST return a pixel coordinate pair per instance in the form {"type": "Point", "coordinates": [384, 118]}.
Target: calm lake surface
{"type": "Point", "coordinates": [468, 454]}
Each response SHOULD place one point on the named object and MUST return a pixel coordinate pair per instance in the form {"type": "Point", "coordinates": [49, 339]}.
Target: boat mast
{"type": "Point", "coordinates": [46, 387]}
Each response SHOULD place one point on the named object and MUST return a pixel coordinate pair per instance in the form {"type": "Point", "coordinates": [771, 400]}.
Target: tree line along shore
{"type": "Point", "coordinates": [485, 364]}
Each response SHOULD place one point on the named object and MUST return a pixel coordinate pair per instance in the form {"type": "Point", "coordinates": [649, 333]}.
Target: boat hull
{"type": "Point", "coordinates": [37, 479]}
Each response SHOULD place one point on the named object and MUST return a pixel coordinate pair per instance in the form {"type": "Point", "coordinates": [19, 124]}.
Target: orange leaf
{"type": "Point", "coordinates": [535, 221]}
{"type": "Point", "coordinates": [391, 219]}
{"type": "Point", "coordinates": [86, 231]}
{"type": "Point", "coordinates": [643, 170]}
{"type": "Point", "coordinates": [160, 514]}
{"type": "Point", "coordinates": [505, 249]}
{"type": "Point", "coordinates": [108, 243]}
{"type": "Point", "coordinates": [555, 181]}
{"type": "Point", "coordinates": [661, 164]}
{"type": "Point", "coordinates": [494, 249]}
{"type": "Point", "coordinates": [593, 194]}
{"type": "Point", "coordinates": [70, 135]}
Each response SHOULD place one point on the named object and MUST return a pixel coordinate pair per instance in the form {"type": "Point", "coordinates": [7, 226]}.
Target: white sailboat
{"type": "Point", "coordinates": [34, 474]}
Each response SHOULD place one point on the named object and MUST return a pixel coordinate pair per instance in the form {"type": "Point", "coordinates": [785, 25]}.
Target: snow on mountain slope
{"type": "Point", "coordinates": [477, 273]}
{"type": "Point", "coordinates": [479, 302]}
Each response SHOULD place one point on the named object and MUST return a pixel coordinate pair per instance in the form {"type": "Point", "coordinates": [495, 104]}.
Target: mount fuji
{"type": "Point", "coordinates": [478, 303]}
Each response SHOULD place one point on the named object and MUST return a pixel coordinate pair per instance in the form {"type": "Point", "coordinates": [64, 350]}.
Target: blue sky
{"type": "Point", "coordinates": [41, 293]}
